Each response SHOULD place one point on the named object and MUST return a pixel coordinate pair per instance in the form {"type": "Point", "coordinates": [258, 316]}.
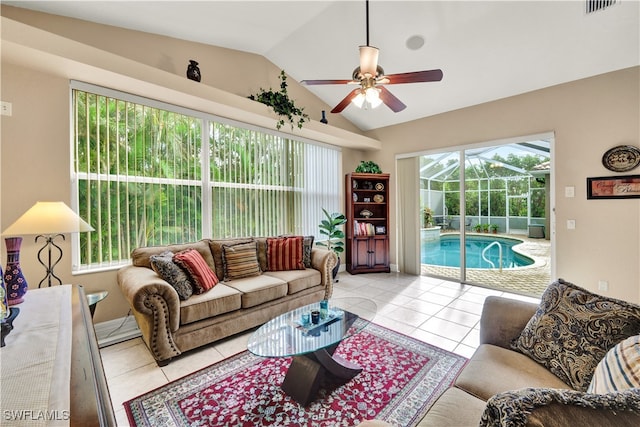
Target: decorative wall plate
{"type": "Point", "coordinates": [622, 158]}
{"type": "Point", "coordinates": [378, 198]}
{"type": "Point", "coordinates": [379, 186]}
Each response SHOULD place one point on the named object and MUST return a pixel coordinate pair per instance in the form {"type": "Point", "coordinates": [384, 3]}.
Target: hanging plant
{"type": "Point", "coordinates": [281, 104]}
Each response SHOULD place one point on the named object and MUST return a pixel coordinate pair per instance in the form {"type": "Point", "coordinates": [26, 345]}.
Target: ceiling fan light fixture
{"type": "Point", "coordinates": [368, 98]}
{"type": "Point", "coordinates": [358, 100]}
{"type": "Point", "coordinates": [372, 96]}
{"type": "Point", "coordinates": [368, 60]}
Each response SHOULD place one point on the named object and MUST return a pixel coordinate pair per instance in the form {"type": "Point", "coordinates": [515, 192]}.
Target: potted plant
{"type": "Point", "coordinates": [494, 228]}
{"type": "Point", "coordinates": [485, 228]}
{"type": "Point", "coordinates": [330, 227]}
{"type": "Point", "coordinates": [478, 228]}
{"type": "Point", "coordinates": [368, 167]}
{"type": "Point", "coordinates": [282, 104]}
{"type": "Point", "coordinates": [427, 217]}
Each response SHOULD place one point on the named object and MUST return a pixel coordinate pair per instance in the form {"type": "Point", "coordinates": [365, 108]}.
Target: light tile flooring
{"type": "Point", "coordinates": [437, 311]}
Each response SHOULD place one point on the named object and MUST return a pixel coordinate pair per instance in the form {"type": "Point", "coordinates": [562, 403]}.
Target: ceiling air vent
{"type": "Point", "coordinates": [595, 5]}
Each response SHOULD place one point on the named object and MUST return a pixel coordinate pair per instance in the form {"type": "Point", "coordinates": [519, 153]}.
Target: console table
{"type": "Point", "coordinates": [50, 369]}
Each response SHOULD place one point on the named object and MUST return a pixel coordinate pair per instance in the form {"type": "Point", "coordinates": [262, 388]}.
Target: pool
{"type": "Point", "coordinates": [446, 252]}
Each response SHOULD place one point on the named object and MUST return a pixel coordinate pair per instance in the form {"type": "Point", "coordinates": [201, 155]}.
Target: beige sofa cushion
{"type": "Point", "coordinates": [454, 408]}
{"type": "Point", "coordinates": [298, 280]}
{"type": "Point", "coordinates": [494, 369]}
{"type": "Point", "coordinates": [259, 289]}
{"type": "Point", "coordinates": [140, 256]}
{"type": "Point", "coordinates": [218, 300]}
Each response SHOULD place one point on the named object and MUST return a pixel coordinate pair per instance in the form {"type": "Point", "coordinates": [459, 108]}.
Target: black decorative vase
{"type": "Point", "coordinates": [193, 72]}
{"type": "Point", "coordinates": [324, 118]}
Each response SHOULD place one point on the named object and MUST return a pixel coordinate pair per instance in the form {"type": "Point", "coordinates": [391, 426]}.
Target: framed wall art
{"type": "Point", "coordinates": [614, 187]}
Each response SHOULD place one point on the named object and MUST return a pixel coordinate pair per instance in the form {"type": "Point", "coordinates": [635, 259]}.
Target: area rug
{"type": "Point", "coordinates": [401, 379]}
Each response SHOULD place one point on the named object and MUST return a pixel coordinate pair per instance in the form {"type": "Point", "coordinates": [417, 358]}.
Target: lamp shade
{"type": "Point", "coordinates": [48, 218]}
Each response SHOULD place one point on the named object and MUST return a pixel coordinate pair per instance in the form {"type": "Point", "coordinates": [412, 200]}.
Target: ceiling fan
{"type": "Point", "coordinates": [370, 76]}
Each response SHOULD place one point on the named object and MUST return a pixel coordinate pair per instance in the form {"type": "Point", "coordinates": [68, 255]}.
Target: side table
{"type": "Point", "coordinates": [94, 298]}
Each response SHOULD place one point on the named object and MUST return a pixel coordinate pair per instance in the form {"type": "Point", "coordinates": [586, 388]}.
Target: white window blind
{"type": "Point", "coordinates": [147, 173]}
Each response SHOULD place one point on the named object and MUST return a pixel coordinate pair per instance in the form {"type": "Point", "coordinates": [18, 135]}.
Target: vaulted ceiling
{"type": "Point", "coordinates": [487, 49]}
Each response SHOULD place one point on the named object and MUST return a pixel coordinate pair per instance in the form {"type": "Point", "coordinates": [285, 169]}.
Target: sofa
{"type": "Point", "coordinates": [185, 296]}
{"type": "Point", "coordinates": [551, 364]}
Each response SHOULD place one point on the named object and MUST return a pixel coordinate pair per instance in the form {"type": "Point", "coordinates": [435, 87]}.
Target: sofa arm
{"type": "Point", "coordinates": [324, 260]}
{"type": "Point", "coordinates": [156, 307]}
{"type": "Point", "coordinates": [503, 319]}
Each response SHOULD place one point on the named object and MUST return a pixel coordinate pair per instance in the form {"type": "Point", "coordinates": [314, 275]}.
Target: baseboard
{"type": "Point", "coordinates": [116, 330]}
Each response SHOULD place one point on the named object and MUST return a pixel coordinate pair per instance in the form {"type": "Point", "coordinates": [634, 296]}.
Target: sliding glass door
{"type": "Point", "coordinates": [478, 208]}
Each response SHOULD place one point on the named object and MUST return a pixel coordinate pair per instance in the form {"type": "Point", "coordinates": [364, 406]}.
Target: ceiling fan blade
{"type": "Point", "coordinates": [325, 82]}
{"type": "Point", "coordinates": [345, 102]}
{"type": "Point", "coordinates": [368, 60]}
{"type": "Point", "coordinates": [415, 77]}
{"type": "Point", "coordinates": [391, 100]}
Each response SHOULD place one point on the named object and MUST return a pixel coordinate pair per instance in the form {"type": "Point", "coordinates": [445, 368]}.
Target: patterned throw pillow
{"type": "Point", "coordinates": [285, 253]}
{"type": "Point", "coordinates": [619, 369]}
{"type": "Point", "coordinates": [307, 245]}
{"type": "Point", "coordinates": [573, 329]}
{"type": "Point", "coordinates": [202, 276]}
{"type": "Point", "coordinates": [170, 272]}
{"type": "Point", "coordinates": [514, 407]}
{"type": "Point", "coordinates": [240, 261]}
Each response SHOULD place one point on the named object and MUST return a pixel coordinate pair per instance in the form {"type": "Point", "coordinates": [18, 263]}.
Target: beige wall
{"type": "Point", "coordinates": [587, 117]}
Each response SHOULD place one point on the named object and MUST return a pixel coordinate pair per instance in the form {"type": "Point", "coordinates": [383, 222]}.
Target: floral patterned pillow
{"type": "Point", "coordinates": [573, 329]}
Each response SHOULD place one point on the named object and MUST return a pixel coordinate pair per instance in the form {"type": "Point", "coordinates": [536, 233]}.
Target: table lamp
{"type": "Point", "coordinates": [48, 220]}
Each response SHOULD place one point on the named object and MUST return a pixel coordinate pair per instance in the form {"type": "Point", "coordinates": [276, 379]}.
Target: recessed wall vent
{"type": "Point", "coordinates": [595, 5]}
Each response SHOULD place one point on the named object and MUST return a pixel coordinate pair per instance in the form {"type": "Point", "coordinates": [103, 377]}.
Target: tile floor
{"type": "Point", "coordinates": [437, 311]}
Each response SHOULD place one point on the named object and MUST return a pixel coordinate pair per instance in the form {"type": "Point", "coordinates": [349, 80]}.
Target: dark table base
{"type": "Point", "coordinates": [307, 372]}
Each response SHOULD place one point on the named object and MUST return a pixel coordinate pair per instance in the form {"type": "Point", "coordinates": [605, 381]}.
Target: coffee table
{"type": "Point", "coordinates": [312, 346]}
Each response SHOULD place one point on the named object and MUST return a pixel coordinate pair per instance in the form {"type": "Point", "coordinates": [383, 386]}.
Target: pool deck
{"type": "Point", "coordinates": [530, 280]}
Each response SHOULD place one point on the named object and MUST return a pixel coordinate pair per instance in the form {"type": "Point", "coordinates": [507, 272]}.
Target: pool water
{"type": "Point", "coordinates": [446, 252]}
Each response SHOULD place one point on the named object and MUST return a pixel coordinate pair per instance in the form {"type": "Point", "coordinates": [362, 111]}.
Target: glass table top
{"type": "Point", "coordinates": [96, 297]}
{"type": "Point", "coordinates": [287, 335]}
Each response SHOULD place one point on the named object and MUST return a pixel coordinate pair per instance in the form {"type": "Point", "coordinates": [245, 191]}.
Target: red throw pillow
{"type": "Point", "coordinates": [285, 253]}
{"type": "Point", "coordinates": [202, 276]}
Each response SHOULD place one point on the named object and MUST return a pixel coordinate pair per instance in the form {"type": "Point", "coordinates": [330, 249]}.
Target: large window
{"type": "Point", "coordinates": [148, 173]}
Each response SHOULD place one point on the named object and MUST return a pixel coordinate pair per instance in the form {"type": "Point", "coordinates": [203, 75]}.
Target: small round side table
{"type": "Point", "coordinates": [94, 298]}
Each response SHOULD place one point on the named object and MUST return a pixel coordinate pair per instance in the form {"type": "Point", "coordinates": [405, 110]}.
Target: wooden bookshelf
{"type": "Point", "coordinates": [367, 212]}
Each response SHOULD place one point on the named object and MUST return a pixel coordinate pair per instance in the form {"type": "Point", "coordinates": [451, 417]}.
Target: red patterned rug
{"type": "Point", "coordinates": [401, 379]}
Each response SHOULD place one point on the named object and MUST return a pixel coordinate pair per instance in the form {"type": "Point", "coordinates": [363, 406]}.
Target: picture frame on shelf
{"type": "Point", "coordinates": [614, 187]}
{"type": "Point", "coordinates": [381, 229]}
